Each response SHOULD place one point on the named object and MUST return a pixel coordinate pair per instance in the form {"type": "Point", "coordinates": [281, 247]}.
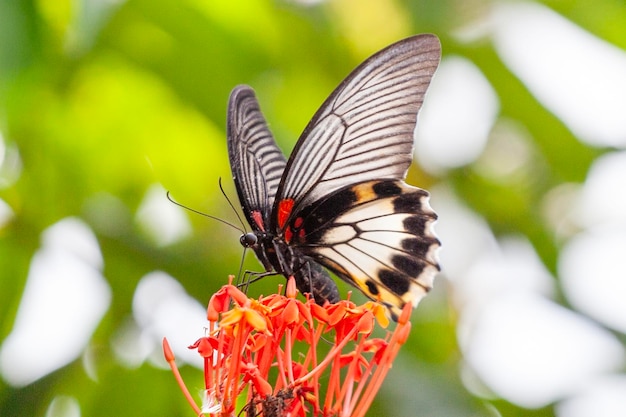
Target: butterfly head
{"type": "Point", "coordinates": [248, 240]}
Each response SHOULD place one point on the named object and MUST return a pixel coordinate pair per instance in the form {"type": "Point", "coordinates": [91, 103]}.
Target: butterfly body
{"type": "Point", "coordinates": [276, 255]}
{"type": "Point", "coordinates": [340, 200]}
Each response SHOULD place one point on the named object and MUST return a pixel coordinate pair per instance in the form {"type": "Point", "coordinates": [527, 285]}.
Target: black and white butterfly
{"type": "Point", "coordinates": [340, 200]}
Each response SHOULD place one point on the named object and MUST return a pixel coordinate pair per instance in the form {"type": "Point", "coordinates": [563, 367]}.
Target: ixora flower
{"type": "Point", "coordinates": [278, 356]}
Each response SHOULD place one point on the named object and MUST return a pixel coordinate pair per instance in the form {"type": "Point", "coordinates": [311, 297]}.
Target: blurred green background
{"type": "Point", "coordinates": [102, 101]}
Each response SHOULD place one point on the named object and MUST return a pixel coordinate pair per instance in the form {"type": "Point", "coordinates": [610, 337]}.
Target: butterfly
{"type": "Point", "coordinates": [340, 201]}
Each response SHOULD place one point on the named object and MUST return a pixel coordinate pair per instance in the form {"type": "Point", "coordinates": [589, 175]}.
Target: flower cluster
{"type": "Point", "coordinates": [268, 357]}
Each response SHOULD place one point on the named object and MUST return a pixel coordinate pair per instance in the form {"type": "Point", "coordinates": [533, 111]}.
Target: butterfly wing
{"type": "Point", "coordinates": [376, 235]}
{"type": "Point", "coordinates": [342, 199]}
{"type": "Point", "coordinates": [364, 130]}
{"type": "Point", "coordinates": [257, 164]}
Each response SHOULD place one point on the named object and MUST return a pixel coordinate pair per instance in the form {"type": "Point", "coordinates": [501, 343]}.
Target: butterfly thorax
{"type": "Point", "coordinates": [278, 256]}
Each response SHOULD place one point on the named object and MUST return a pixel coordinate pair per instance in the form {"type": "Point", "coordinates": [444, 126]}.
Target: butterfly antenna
{"type": "Point", "coordinates": [219, 181]}
{"type": "Point", "coordinates": [169, 197]}
{"type": "Point", "coordinates": [243, 226]}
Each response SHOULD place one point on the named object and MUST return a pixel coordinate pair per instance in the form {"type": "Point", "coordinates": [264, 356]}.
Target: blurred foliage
{"type": "Point", "coordinates": [103, 99]}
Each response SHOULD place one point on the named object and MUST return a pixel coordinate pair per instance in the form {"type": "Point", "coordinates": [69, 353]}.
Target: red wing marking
{"type": "Point", "coordinates": [258, 219]}
{"type": "Point", "coordinates": [288, 234]}
{"type": "Point", "coordinates": [284, 210]}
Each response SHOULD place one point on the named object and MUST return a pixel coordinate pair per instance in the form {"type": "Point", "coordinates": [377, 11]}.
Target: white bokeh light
{"type": "Point", "coordinates": [457, 116]}
{"type": "Point", "coordinates": [6, 213]}
{"type": "Point", "coordinates": [64, 299]}
{"type": "Point", "coordinates": [10, 163]}
{"type": "Point", "coordinates": [63, 406]}
{"type": "Point", "coordinates": [593, 274]}
{"type": "Point", "coordinates": [592, 264]}
{"type": "Point", "coordinates": [162, 308]}
{"type": "Point", "coordinates": [577, 76]}
{"type": "Point", "coordinates": [465, 235]}
{"type": "Point", "coordinates": [604, 396]}
{"type": "Point", "coordinates": [513, 268]}
{"type": "Point", "coordinates": [523, 346]}
{"type": "Point", "coordinates": [603, 200]}
{"type": "Point", "coordinates": [164, 222]}
{"type": "Point", "coordinates": [533, 352]}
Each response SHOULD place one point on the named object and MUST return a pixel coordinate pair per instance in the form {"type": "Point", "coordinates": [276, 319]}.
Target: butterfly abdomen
{"type": "Point", "coordinates": [311, 278]}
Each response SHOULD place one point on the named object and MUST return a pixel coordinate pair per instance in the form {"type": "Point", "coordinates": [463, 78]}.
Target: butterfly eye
{"type": "Point", "coordinates": [248, 240]}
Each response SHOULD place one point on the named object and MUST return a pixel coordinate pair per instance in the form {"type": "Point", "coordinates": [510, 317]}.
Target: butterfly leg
{"type": "Point", "coordinates": [249, 277]}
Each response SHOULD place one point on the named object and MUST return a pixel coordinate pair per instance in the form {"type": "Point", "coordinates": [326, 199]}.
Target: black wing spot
{"type": "Point", "coordinates": [416, 247]}
{"type": "Point", "coordinates": [395, 281]}
{"type": "Point", "coordinates": [372, 287]}
{"type": "Point", "coordinates": [386, 189]}
{"type": "Point", "coordinates": [415, 224]}
{"type": "Point", "coordinates": [408, 203]}
{"type": "Point", "coordinates": [408, 265]}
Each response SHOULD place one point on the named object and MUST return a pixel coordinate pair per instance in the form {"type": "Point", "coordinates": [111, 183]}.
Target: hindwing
{"type": "Point", "coordinates": [376, 235]}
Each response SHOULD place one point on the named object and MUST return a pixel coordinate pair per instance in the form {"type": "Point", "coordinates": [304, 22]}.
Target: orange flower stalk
{"type": "Point", "coordinates": [271, 356]}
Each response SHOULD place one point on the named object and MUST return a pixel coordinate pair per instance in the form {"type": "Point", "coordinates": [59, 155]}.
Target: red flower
{"type": "Point", "coordinates": [268, 351]}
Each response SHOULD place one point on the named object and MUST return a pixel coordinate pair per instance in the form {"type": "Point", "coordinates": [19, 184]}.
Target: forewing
{"type": "Point", "coordinates": [376, 235]}
{"type": "Point", "coordinates": [364, 130]}
{"type": "Point", "coordinates": [256, 162]}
